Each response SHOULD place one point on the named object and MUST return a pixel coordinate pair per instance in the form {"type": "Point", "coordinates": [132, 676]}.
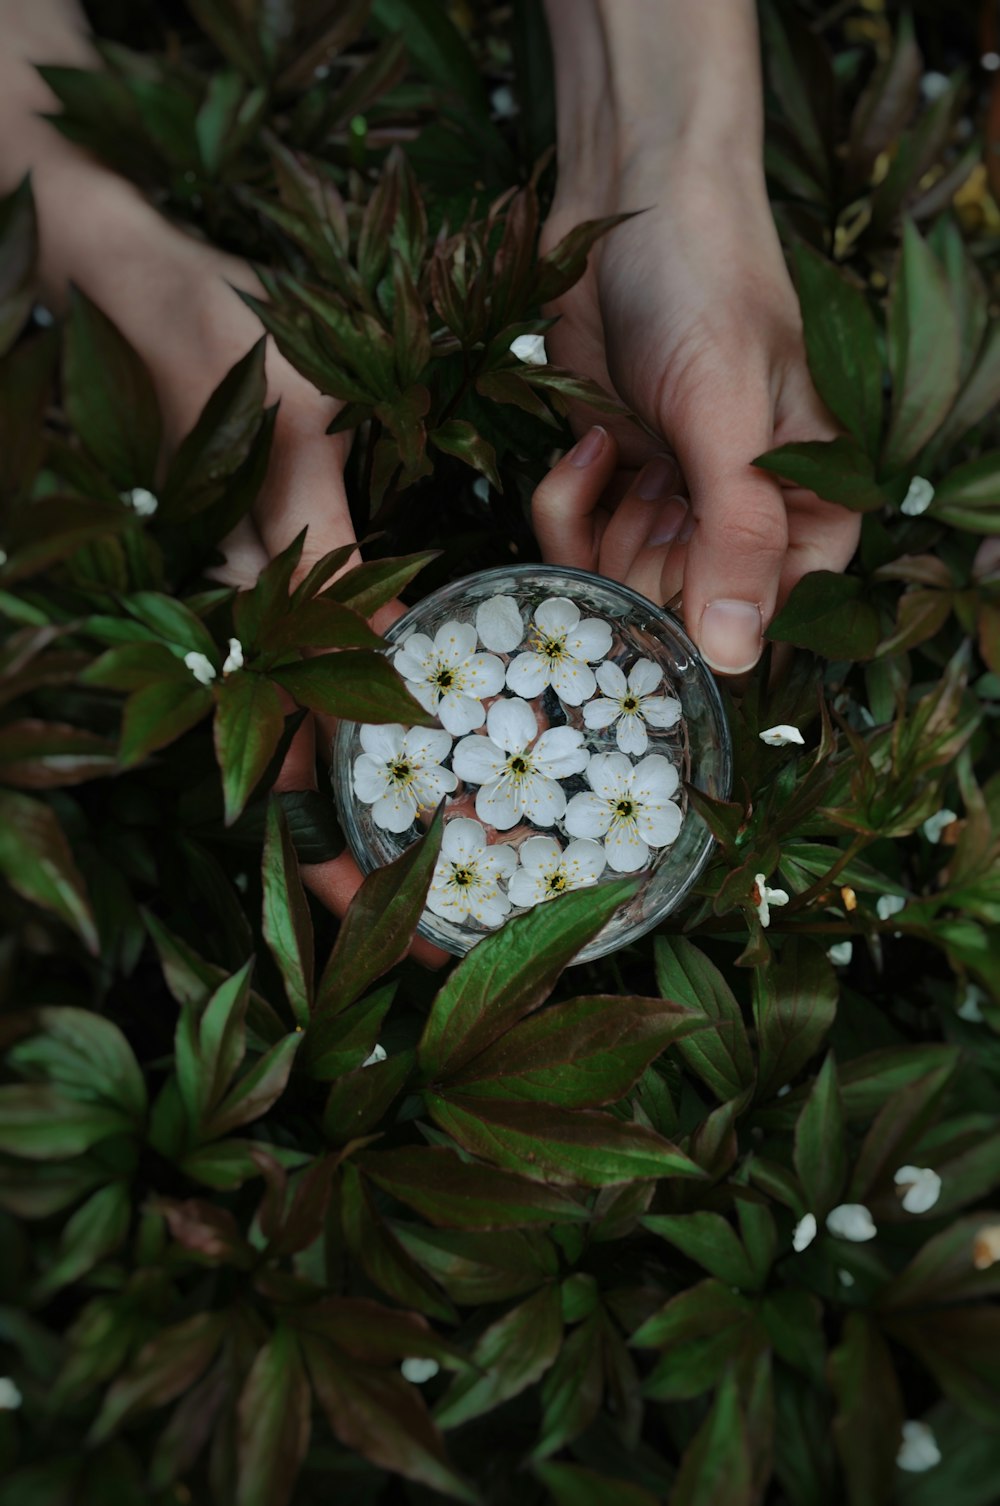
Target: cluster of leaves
{"type": "Point", "coordinates": [223, 1227]}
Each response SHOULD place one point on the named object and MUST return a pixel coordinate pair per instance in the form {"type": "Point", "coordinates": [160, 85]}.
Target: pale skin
{"type": "Point", "coordinates": [687, 312]}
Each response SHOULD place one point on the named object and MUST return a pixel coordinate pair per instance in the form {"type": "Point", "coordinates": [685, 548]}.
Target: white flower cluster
{"type": "Point", "coordinates": [503, 748]}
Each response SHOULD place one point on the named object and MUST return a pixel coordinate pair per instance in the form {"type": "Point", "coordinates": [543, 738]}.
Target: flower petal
{"type": "Point", "coordinates": [499, 624]}
{"type": "Point", "coordinates": [661, 711]}
{"type": "Point", "coordinates": [455, 641]}
{"type": "Point", "coordinates": [490, 909]}
{"type": "Point", "coordinates": [498, 861]}
{"type": "Point", "coordinates": [611, 680]}
{"type": "Point", "coordinates": [528, 675]}
{"type": "Point", "coordinates": [410, 666]}
{"type": "Point", "coordinates": [600, 713]}
{"type": "Point", "coordinates": [659, 825]}
{"type": "Point", "coordinates": [643, 677]}
{"type": "Point", "coordinates": [573, 681]}
{"type": "Point", "coordinates": [526, 889]}
{"type": "Point", "coordinates": [583, 862]}
{"type": "Point", "coordinates": [655, 779]}
{"type": "Point", "coordinates": [591, 640]}
{"type": "Point", "coordinates": [462, 840]}
{"type": "Point", "coordinates": [512, 724]}
{"type": "Point", "coordinates": [587, 816]}
{"type": "Point", "coordinates": [851, 1221]}
{"type": "Point", "coordinates": [432, 784]}
{"type": "Point", "coordinates": [370, 778]}
{"type": "Point", "coordinates": [781, 735]}
{"type": "Point", "coordinates": [542, 800]}
{"type": "Point", "coordinates": [631, 734]}
{"type": "Point", "coordinates": [559, 752]}
{"type": "Point", "coordinates": [483, 675]}
{"type": "Point", "coordinates": [609, 775]}
{"type": "Point", "coordinates": [625, 850]}
{"type": "Point", "coordinates": [459, 713]}
{"type": "Point", "coordinates": [382, 743]}
{"type": "Point", "coordinates": [426, 745]}
{"type": "Point", "coordinates": [477, 760]}
{"type": "Point", "coordinates": [804, 1232]}
{"type": "Point", "coordinates": [395, 811]}
{"type": "Point", "coordinates": [557, 615]}
{"type": "Point", "coordinates": [499, 804]}
{"type": "Point", "coordinates": [540, 854]}
{"type": "Point", "coordinates": [417, 646]}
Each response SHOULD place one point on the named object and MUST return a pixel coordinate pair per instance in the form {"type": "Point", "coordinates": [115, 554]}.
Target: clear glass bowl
{"type": "Point", "coordinates": [698, 745]}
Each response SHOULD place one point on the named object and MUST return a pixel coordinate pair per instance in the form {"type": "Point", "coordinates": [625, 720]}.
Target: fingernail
{"type": "Point", "coordinates": [656, 479]}
{"type": "Point", "coordinates": [730, 638]}
{"type": "Point", "coordinates": [589, 447]}
{"type": "Point", "coordinates": [669, 521]}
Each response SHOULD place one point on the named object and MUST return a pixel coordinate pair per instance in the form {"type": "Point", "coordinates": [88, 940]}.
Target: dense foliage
{"type": "Point", "coordinates": [575, 1192]}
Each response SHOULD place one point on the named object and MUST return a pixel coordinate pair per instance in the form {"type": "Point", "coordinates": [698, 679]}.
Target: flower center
{"type": "Point", "coordinates": [556, 882]}
{"type": "Point", "coordinates": [625, 810]}
{"type": "Point", "coordinates": [443, 677]}
{"type": "Point", "coordinates": [463, 878]}
{"type": "Point", "coordinates": [551, 648]}
{"type": "Point", "coordinates": [519, 766]}
{"type": "Point", "coordinates": [630, 703]}
{"type": "Point", "coordinates": [400, 772]}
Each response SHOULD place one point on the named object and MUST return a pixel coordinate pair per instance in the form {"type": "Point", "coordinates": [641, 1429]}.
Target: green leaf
{"type": "Point", "coordinates": [210, 1043]}
{"type": "Point", "coordinates": [341, 1043]}
{"type": "Point", "coordinates": [720, 1056]}
{"type": "Point", "coordinates": [924, 351]}
{"type": "Point", "coordinates": [836, 469]}
{"type": "Point", "coordinates": [360, 1101]}
{"type": "Point", "coordinates": [36, 861]}
{"type": "Point", "coordinates": [365, 1329]}
{"type": "Point", "coordinates": [716, 1465]}
{"type": "Point", "coordinates": [172, 621]}
{"type": "Point", "coordinates": [96, 1229]}
{"type": "Point", "coordinates": [370, 586]}
{"type": "Point", "coordinates": [508, 974]}
{"type": "Point", "coordinates": [256, 1091]}
{"type": "Point", "coordinates": [457, 1194]}
{"type": "Point", "coordinates": [273, 1419]}
{"type": "Point", "coordinates": [827, 613]}
{"type": "Point", "coordinates": [960, 1347]}
{"type": "Point", "coordinates": [286, 923]}
{"type": "Point", "coordinates": [867, 1428]}
{"type": "Point", "coordinates": [40, 1124]}
{"type": "Point", "coordinates": [163, 1369]}
{"type": "Point", "coordinates": [944, 1269]}
{"type": "Point", "coordinates": [357, 685]}
{"type": "Point", "coordinates": [18, 249]}
{"type": "Point", "coordinates": [573, 1388]}
{"type": "Point", "coordinates": [460, 438]}
{"type": "Point", "coordinates": [820, 1156]}
{"type": "Point", "coordinates": [157, 715]}
{"type": "Point", "coordinates": [581, 1147]}
{"type": "Point", "coordinates": [969, 496]}
{"type": "Point", "coordinates": [795, 1002]}
{"type": "Point", "coordinates": [85, 1054]}
{"type": "Point", "coordinates": [794, 1324]}
{"type": "Point", "coordinates": [219, 442]}
{"type": "Point", "coordinates": [572, 1485]}
{"type": "Point", "coordinates": [711, 1241]}
{"type": "Point", "coordinates": [842, 349]}
{"type": "Point", "coordinates": [511, 1355]}
{"type": "Point", "coordinates": [897, 1128]}
{"type": "Point", "coordinates": [247, 728]}
{"type": "Point", "coordinates": [379, 1253]}
{"type": "Point", "coordinates": [109, 396]}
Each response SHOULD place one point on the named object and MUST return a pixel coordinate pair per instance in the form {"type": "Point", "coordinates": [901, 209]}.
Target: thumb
{"type": "Point", "coordinates": [734, 559]}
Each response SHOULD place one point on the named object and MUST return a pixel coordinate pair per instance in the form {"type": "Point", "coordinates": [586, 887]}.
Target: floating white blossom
{"type": "Point", "coordinates": [969, 1009]}
{"type": "Point", "coordinates": [851, 1221]}
{"type": "Point", "coordinates": [804, 1232]}
{"type": "Point", "coordinates": [631, 806]}
{"type": "Point", "coordinates": [918, 498]}
{"type": "Point", "coordinates": [10, 1396]}
{"type": "Point", "coordinates": [918, 1450]}
{"type": "Point", "coordinates": [562, 649]}
{"type": "Point", "coordinates": [781, 735]}
{"type": "Point", "coordinates": [466, 877]}
{"type": "Point", "coordinates": [499, 624]}
{"type": "Point", "coordinates": [530, 349]}
{"type": "Point", "coordinates": [517, 770]}
{"type": "Point", "coordinates": [399, 773]}
{"type": "Point", "coordinates": [378, 1054]}
{"type": "Point", "coordinates": [840, 953]}
{"type": "Point", "coordinates": [200, 666]}
{"type": "Point", "coordinates": [764, 898]}
{"type": "Point", "coordinates": [629, 704]}
{"type": "Point", "coordinates": [548, 870]}
{"type": "Point", "coordinates": [234, 659]}
{"type": "Point", "coordinates": [142, 501]}
{"type": "Point", "coordinates": [935, 825]}
{"type": "Point", "coordinates": [920, 1188]}
{"type": "Point", "coordinates": [418, 1370]}
{"type": "Point", "coordinates": [888, 905]}
{"type": "Point", "coordinates": [448, 677]}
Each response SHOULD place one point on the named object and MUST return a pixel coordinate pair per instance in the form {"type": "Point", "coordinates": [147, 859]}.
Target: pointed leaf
{"type": "Point", "coordinates": [286, 922]}
{"type": "Point", "coordinates": [457, 1194]}
{"type": "Point", "coordinates": [249, 721]}
{"type": "Point", "coordinates": [511, 1355]}
{"type": "Point", "coordinates": [273, 1421]}
{"type": "Point", "coordinates": [109, 396]}
{"type": "Point", "coordinates": [720, 1056]}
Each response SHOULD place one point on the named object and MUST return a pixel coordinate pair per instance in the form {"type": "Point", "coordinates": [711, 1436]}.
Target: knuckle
{"type": "Point", "coordinates": [758, 533]}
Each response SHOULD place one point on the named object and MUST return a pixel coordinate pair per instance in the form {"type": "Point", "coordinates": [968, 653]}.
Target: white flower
{"type": "Point", "coordinates": [234, 659]}
{"type": "Point", "coordinates": [563, 647]}
{"type": "Point", "coordinates": [201, 667]}
{"type": "Point", "coordinates": [918, 1450]}
{"type": "Point", "coordinates": [969, 1008]}
{"type": "Point", "coordinates": [399, 773]}
{"type": "Point", "coordinates": [920, 1188]}
{"type": "Point", "coordinates": [851, 1221]}
{"type": "Point", "coordinates": [499, 624]}
{"type": "Point", "coordinates": [417, 1370]}
{"type": "Point", "coordinates": [630, 704]}
{"type": "Point", "coordinates": [764, 898]}
{"type": "Point", "coordinates": [781, 735]}
{"type": "Point", "coordinates": [888, 905]}
{"type": "Point", "coordinates": [465, 879]}
{"type": "Point", "coordinates": [804, 1232]}
{"type": "Point", "coordinates": [378, 1054]}
{"type": "Point", "coordinates": [530, 349]}
{"type": "Point", "coordinates": [935, 825]}
{"type": "Point", "coordinates": [142, 502]}
{"type": "Point", "coordinates": [840, 953]}
{"type": "Point", "coordinates": [631, 807]}
{"type": "Point", "coordinates": [918, 498]}
{"type": "Point", "coordinates": [503, 102]}
{"type": "Point", "coordinates": [548, 870]}
{"type": "Point", "coordinates": [517, 773]}
{"type": "Point", "coordinates": [448, 677]}
{"type": "Point", "coordinates": [10, 1396]}
{"type": "Point", "coordinates": [4, 557]}
{"type": "Point", "coordinates": [845, 1278]}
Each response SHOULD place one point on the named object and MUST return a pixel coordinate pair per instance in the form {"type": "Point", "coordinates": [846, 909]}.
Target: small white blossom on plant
{"type": "Point", "coordinates": [764, 898]}
{"type": "Point", "coordinates": [840, 953]}
{"type": "Point", "coordinates": [845, 1278]}
{"type": "Point", "coordinates": [804, 1232]}
{"type": "Point", "coordinates": [548, 870]}
{"type": "Point", "coordinates": [919, 1188]}
{"type": "Point", "coordinates": [378, 1054]}
{"type": "Point", "coordinates": [781, 735]}
{"type": "Point", "coordinates": [986, 1247]}
{"type": "Point", "coordinates": [234, 659]}
{"type": "Point", "coordinates": [631, 806]}
{"type": "Point", "coordinates": [201, 667]}
{"type": "Point", "coordinates": [851, 1221]}
{"type": "Point", "coordinates": [918, 1450]}
{"type": "Point", "coordinates": [399, 773]}
{"type": "Point", "coordinates": [516, 769]}
{"type": "Point", "coordinates": [142, 502]}
{"type": "Point", "coordinates": [919, 497]}
{"type": "Point", "coordinates": [466, 877]}
{"type": "Point", "coordinates": [4, 557]}
{"type": "Point", "coordinates": [935, 825]}
{"type": "Point", "coordinates": [630, 704]}
{"type": "Point", "coordinates": [448, 677]}
{"type": "Point", "coordinates": [969, 1009]}
{"type": "Point", "coordinates": [888, 905]}
{"type": "Point", "coordinates": [499, 624]}
{"type": "Point", "coordinates": [530, 349]}
{"type": "Point", "coordinates": [562, 649]}
{"type": "Point", "coordinates": [418, 1370]}
{"type": "Point", "coordinates": [10, 1396]}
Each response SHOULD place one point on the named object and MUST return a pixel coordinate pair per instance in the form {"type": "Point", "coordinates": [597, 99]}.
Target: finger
{"type": "Point", "coordinates": [645, 524]}
{"type": "Point", "coordinates": [564, 507]}
{"type": "Point", "coordinates": [245, 557]}
{"type": "Point", "coordinates": [821, 536]}
{"type": "Point", "coordinates": [737, 551]}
